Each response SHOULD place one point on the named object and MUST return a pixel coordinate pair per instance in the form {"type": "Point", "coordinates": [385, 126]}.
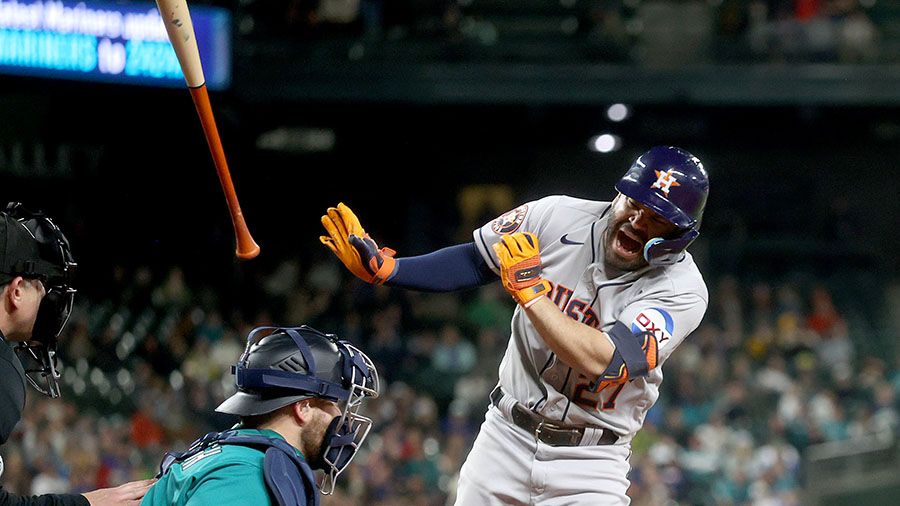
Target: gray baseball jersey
{"type": "Point", "coordinates": [668, 301]}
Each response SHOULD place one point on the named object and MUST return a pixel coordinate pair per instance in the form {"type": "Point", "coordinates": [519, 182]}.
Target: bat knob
{"type": "Point", "coordinates": [246, 248]}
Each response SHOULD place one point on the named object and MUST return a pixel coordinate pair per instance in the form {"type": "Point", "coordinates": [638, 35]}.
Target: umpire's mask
{"type": "Point", "coordinates": [281, 366]}
{"type": "Point", "coordinates": [35, 248]}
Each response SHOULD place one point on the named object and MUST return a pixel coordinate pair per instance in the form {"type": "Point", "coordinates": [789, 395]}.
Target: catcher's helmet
{"type": "Point", "coordinates": [674, 184]}
{"type": "Point", "coordinates": [291, 364]}
{"type": "Point", "coordinates": [281, 366]}
{"type": "Point", "coordinates": [34, 247]}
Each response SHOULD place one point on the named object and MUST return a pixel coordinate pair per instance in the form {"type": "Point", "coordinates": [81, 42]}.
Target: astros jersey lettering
{"type": "Point", "coordinates": [668, 301]}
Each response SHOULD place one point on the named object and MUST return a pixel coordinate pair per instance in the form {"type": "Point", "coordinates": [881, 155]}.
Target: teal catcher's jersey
{"type": "Point", "coordinates": [221, 475]}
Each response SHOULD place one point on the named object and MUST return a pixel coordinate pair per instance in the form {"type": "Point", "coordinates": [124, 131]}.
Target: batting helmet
{"type": "Point", "coordinates": [674, 184]}
{"type": "Point", "coordinates": [281, 366]}
{"type": "Point", "coordinates": [34, 247]}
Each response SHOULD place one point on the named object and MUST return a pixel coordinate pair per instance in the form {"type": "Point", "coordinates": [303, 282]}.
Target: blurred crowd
{"type": "Point", "coordinates": [772, 370]}
{"type": "Point", "coordinates": [653, 32]}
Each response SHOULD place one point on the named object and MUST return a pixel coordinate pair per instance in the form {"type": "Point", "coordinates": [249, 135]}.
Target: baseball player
{"type": "Point", "coordinates": [299, 393]}
{"type": "Point", "coordinates": [606, 291]}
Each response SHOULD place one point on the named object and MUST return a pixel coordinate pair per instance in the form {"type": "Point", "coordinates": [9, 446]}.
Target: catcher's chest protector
{"type": "Point", "coordinates": [288, 477]}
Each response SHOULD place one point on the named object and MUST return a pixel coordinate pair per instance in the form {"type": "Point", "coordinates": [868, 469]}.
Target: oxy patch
{"type": "Point", "coordinates": [655, 320]}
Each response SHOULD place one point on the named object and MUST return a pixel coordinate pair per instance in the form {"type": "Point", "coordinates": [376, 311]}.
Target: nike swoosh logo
{"type": "Point", "coordinates": [567, 241]}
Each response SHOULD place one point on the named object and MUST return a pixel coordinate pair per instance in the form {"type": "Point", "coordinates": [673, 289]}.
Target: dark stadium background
{"type": "Point", "coordinates": [802, 152]}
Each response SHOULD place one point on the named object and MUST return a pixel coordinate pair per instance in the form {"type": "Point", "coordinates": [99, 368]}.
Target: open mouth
{"type": "Point", "coordinates": [628, 244]}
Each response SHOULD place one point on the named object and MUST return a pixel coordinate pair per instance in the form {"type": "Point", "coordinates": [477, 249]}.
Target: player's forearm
{"type": "Point", "coordinates": [448, 269]}
{"type": "Point", "coordinates": [584, 348]}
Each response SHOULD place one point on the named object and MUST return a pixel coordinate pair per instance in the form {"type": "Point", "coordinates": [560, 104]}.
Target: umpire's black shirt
{"type": "Point", "coordinates": [12, 402]}
{"type": "Point", "coordinates": [12, 390]}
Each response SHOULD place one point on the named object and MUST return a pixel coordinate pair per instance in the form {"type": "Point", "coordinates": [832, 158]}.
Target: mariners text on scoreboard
{"type": "Point", "coordinates": [106, 42]}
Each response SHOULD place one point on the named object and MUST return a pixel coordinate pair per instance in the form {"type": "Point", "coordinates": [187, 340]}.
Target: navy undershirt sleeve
{"type": "Point", "coordinates": [445, 270]}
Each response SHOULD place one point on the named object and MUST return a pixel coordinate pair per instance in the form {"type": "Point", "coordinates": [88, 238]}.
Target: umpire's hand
{"type": "Point", "coordinates": [130, 494]}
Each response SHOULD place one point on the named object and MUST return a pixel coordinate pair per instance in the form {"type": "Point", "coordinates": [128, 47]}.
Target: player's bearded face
{"type": "Point", "coordinates": [313, 436]}
{"type": "Point", "coordinates": [630, 227]}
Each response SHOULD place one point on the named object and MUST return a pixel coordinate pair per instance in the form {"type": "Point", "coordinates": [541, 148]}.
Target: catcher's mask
{"type": "Point", "coordinates": [674, 184]}
{"type": "Point", "coordinates": [35, 248]}
{"type": "Point", "coordinates": [281, 366]}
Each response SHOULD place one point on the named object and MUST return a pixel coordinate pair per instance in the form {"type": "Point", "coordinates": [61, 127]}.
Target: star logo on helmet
{"type": "Point", "coordinates": [665, 181]}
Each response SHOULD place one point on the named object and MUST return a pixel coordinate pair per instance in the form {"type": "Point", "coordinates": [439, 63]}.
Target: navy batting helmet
{"type": "Point", "coordinates": [674, 184]}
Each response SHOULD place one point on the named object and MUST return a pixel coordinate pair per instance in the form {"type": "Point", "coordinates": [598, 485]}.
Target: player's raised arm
{"type": "Point", "coordinates": [448, 269]}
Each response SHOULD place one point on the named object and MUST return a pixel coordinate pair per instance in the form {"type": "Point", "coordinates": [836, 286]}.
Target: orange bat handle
{"type": "Point", "coordinates": [246, 246]}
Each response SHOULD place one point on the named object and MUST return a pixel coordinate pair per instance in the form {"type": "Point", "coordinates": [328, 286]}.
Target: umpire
{"type": "Point", "coordinates": [36, 270]}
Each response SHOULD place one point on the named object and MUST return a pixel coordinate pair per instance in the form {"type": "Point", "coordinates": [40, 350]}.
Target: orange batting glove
{"type": "Point", "coordinates": [353, 246]}
{"type": "Point", "coordinates": [520, 267]}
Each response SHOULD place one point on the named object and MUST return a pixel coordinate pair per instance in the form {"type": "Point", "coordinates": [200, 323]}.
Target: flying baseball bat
{"type": "Point", "coordinates": [180, 28]}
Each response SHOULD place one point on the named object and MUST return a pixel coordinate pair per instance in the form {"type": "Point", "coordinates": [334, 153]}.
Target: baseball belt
{"type": "Point", "coordinates": [547, 431]}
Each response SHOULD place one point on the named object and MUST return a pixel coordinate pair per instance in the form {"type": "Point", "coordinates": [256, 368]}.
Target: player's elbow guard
{"type": "Point", "coordinates": [635, 356]}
